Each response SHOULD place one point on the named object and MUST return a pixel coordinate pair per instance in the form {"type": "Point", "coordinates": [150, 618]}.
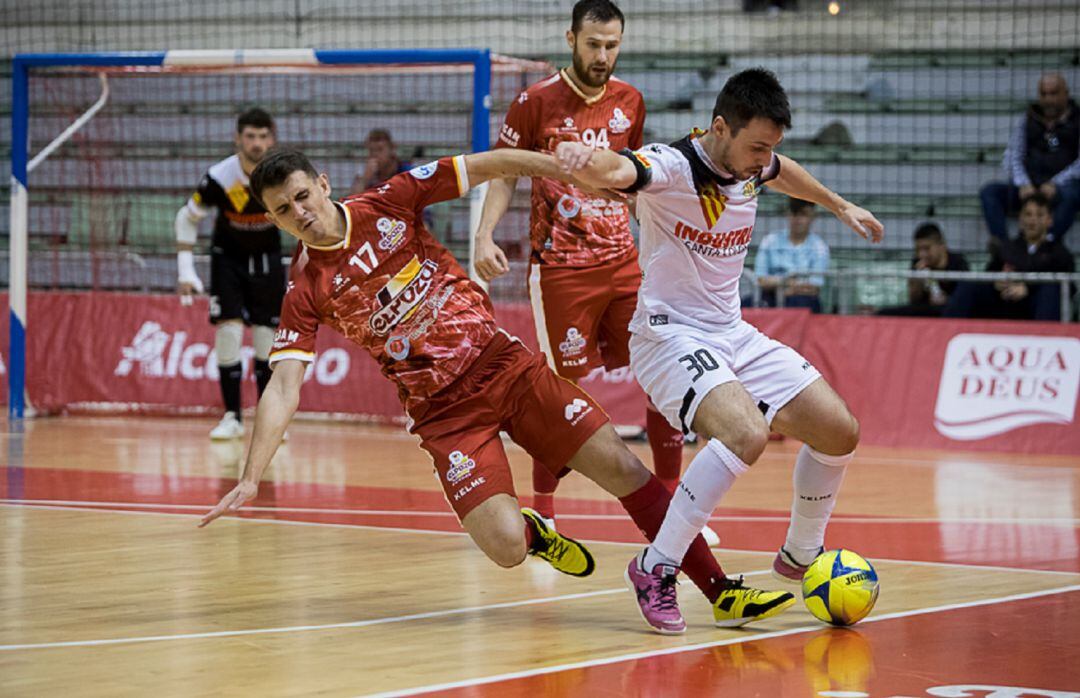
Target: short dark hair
{"type": "Point", "coordinates": [255, 118]}
{"type": "Point", "coordinates": [1039, 199]}
{"type": "Point", "coordinates": [379, 134]}
{"type": "Point", "coordinates": [929, 231]}
{"type": "Point", "coordinates": [796, 206]}
{"type": "Point", "coordinates": [595, 11]}
{"type": "Point", "coordinates": [751, 94]}
{"type": "Point", "coordinates": [275, 168]}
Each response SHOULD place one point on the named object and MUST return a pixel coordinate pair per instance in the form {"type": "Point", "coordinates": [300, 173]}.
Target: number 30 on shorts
{"type": "Point", "coordinates": [699, 362]}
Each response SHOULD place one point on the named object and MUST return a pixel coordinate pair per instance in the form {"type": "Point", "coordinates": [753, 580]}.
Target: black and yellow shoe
{"type": "Point", "coordinates": [738, 604]}
{"type": "Point", "coordinates": [563, 553]}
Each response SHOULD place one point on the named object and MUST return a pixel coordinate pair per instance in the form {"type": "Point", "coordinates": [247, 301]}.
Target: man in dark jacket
{"type": "Point", "coordinates": [927, 297]}
{"type": "Point", "coordinates": [1043, 156]}
{"type": "Point", "coordinates": [1032, 251]}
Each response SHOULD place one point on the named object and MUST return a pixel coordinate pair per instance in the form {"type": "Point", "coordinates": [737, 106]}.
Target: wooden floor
{"type": "Point", "coordinates": [349, 576]}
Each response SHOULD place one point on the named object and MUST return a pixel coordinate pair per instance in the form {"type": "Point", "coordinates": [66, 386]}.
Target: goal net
{"type": "Point", "coordinates": [107, 148]}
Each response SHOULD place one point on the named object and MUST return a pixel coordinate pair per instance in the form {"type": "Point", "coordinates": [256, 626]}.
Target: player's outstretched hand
{"type": "Point", "coordinates": [490, 261]}
{"type": "Point", "coordinates": [862, 222]}
{"type": "Point", "coordinates": [230, 503]}
{"type": "Point", "coordinates": [187, 292]}
{"type": "Point", "coordinates": [573, 156]}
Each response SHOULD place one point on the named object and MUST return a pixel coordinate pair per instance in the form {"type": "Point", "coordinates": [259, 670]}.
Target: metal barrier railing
{"type": "Point", "coordinates": [156, 273]}
{"type": "Point", "coordinates": [842, 282]}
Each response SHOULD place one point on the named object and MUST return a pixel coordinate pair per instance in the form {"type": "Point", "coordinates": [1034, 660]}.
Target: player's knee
{"type": "Point", "coordinates": [748, 441]}
{"type": "Point", "coordinates": [228, 338]}
{"type": "Point", "coordinates": [848, 436]}
{"type": "Point", "coordinates": [506, 546]}
{"type": "Point", "coordinates": [842, 438]}
{"type": "Point", "coordinates": [262, 337]}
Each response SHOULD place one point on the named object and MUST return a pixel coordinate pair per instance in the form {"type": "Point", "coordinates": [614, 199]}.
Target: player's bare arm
{"type": "Point", "coordinates": [490, 260]}
{"type": "Point", "coordinates": [594, 169]}
{"type": "Point", "coordinates": [506, 163]}
{"type": "Point", "coordinates": [796, 182]}
{"type": "Point", "coordinates": [502, 168]}
{"type": "Point", "coordinates": [272, 417]}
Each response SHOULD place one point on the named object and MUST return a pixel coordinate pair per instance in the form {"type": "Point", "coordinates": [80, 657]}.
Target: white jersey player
{"type": "Point", "coordinates": [706, 369]}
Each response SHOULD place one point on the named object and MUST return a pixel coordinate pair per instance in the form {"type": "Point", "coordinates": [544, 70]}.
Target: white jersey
{"type": "Point", "coordinates": [696, 224]}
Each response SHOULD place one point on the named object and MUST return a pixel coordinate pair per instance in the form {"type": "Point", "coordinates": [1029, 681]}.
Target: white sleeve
{"type": "Point", "coordinates": [187, 222]}
{"type": "Point", "coordinates": [664, 164]}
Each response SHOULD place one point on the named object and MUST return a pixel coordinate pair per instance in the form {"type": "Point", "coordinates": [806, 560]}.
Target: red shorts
{"type": "Point", "coordinates": [582, 314]}
{"type": "Point", "coordinates": [511, 389]}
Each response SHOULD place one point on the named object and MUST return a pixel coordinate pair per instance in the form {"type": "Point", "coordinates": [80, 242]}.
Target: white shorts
{"type": "Point", "coordinates": [684, 364]}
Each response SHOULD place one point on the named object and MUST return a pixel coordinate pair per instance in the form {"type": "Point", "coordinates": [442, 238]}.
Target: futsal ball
{"type": "Point", "coordinates": [840, 587]}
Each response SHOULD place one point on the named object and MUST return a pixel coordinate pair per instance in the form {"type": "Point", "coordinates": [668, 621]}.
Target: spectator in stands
{"type": "Point", "coordinates": [792, 251]}
{"type": "Point", "coordinates": [1032, 251]}
{"type": "Point", "coordinates": [1043, 156]}
{"type": "Point", "coordinates": [772, 7]}
{"type": "Point", "coordinates": [382, 161]}
{"type": "Point", "coordinates": [927, 297]}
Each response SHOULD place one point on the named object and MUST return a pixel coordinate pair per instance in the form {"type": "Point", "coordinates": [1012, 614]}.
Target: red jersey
{"type": "Point", "coordinates": [568, 226]}
{"type": "Point", "coordinates": [391, 288]}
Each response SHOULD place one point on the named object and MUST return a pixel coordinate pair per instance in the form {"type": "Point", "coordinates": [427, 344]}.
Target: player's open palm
{"type": "Point", "coordinates": [489, 260]}
{"type": "Point", "coordinates": [862, 222]}
{"type": "Point", "coordinates": [230, 503]}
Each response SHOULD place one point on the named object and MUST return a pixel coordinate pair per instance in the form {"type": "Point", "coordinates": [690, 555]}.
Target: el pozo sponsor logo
{"type": "Point", "coordinates": [991, 384]}
{"type": "Point", "coordinates": [403, 302]}
{"type": "Point", "coordinates": [157, 353]}
{"type": "Point", "coordinates": [461, 467]}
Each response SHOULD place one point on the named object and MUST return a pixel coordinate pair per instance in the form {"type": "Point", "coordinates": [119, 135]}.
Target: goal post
{"type": "Point", "coordinates": [292, 64]}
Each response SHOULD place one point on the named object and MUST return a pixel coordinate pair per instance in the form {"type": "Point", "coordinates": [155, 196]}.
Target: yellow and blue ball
{"type": "Point", "coordinates": [840, 587]}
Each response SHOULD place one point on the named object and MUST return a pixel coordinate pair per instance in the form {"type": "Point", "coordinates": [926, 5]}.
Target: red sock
{"type": "Point", "coordinates": [531, 534]}
{"type": "Point", "coordinates": [666, 443]}
{"type": "Point", "coordinates": [647, 507]}
{"type": "Point", "coordinates": [544, 485]}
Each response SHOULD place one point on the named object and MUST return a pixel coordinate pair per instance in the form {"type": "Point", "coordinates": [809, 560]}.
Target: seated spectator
{"type": "Point", "coordinates": [1032, 251]}
{"type": "Point", "coordinates": [1043, 156]}
{"type": "Point", "coordinates": [793, 250]}
{"type": "Point", "coordinates": [927, 297]}
{"type": "Point", "coordinates": [382, 161]}
{"type": "Point", "coordinates": [772, 7]}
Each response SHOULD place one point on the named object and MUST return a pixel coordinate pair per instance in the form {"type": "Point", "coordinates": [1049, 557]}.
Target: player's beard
{"type": "Point", "coordinates": [586, 76]}
{"type": "Point", "coordinates": [733, 171]}
{"type": "Point", "coordinates": [253, 155]}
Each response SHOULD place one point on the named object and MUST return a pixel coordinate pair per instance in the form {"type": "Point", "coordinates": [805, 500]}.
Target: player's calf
{"type": "Point", "coordinates": [606, 460]}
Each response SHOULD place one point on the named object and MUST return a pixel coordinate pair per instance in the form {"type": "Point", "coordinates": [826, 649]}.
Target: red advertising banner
{"type": "Point", "coordinates": [963, 384]}
{"type": "Point", "coordinates": [974, 385]}
{"type": "Point", "coordinates": [118, 351]}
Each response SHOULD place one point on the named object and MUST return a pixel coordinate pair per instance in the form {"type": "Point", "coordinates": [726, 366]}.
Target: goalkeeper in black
{"type": "Point", "coordinates": [247, 281]}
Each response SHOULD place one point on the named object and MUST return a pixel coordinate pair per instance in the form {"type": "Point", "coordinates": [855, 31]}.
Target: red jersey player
{"type": "Point", "coordinates": [583, 268]}
{"type": "Point", "coordinates": [368, 268]}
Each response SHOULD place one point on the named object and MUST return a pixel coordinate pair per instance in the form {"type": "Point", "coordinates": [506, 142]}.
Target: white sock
{"type": "Point", "coordinates": [710, 475]}
{"type": "Point", "coordinates": [817, 481]}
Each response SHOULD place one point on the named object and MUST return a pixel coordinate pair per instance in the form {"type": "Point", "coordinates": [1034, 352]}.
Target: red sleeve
{"type": "Point", "coordinates": [295, 337]}
{"type": "Point", "coordinates": [637, 133]}
{"type": "Point", "coordinates": [428, 184]}
{"type": "Point", "coordinates": [518, 129]}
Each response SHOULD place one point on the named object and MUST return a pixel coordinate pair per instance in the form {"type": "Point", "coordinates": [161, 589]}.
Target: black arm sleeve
{"type": "Point", "coordinates": [644, 171]}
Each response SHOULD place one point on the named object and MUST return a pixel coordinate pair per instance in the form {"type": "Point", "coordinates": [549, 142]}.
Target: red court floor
{"type": "Point", "coordinates": [979, 558]}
